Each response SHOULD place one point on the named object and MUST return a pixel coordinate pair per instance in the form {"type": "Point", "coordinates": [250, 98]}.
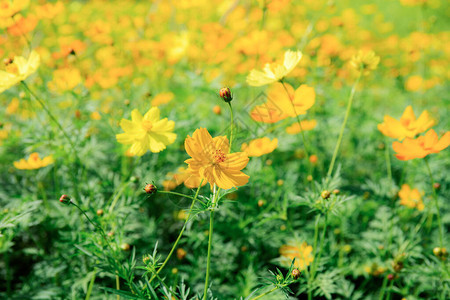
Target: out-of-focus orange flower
{"type": "Point", "coordinates": [162, 98]}
{"type": "Point", "coordinates": [33, 162]}
{"type": "Point", "coordinates": [75, 47]}
{"type": "Point", "coordinates": [306, 125]}
{"type": "Point", "coordinates": [414, 83]}
{"type": "Point", "coordinates": [421, 146]}
{"type": "Point", "coordinates": [65, 79]}
{"type": "Point", "coordinates": [407, 126]}
{"type": "Point", "coordinates": [302, 253]}
{"type": "Point", "coordinates": [259, 147]}
{"type": "Point", "coordinates": [189, 179]}
{"type": "Point", "coordinates": [22, 25]}
{"type": "Point", "coordinates": [410, 197]}
{"type": "Point", "coordinates": [10, 8]}
{"type": "Point", "coordinates": [49, 10]}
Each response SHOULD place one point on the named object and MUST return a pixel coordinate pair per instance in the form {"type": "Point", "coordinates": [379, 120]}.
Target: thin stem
{"type": "Point", "coordinates": [298, 120]}
{"type": "Point", "coordinates": [179, 236]}
{"type": "Point", "coordinates": [319, 255]}
{"type": "Point", "coordinates": [383, 288]}
{"type": "Point", "coordinates": [117, 196]}
{"type": "Point", "coordinates": [118, 286]}
{"type": "Point", "coordinates": [91, 285]}
{"type": "Point", "coordinates": [436, 203]}
{"type": "Point", "coordinates": [231, 125]}
{"type": "Point", "coordinates": [387, 157]}
{"type": "Point", "coordinates": [181, 195]}
{"type": "Point", "coordinates": [49, 113]}
{"type": "Point", "coordinates": [341, 133]}
{"type": "Point", "coordinates": [316, 237]}
{"type": "Point", "coordinates": [266, 293]}
{"type": "Point", "coordinates": [208, 261]}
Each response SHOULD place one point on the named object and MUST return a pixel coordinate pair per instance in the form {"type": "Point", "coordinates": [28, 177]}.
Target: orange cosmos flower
{"type": "Point", "coordinates": [212, 162]}
{"type": "Point", "coordinates": [306, 125]}
{"type": "Point", "coordinates": [410, 197]}
{"type": "Point", "coordinates": [422, 146]}
{"type": "Point", "coordinates": [33, 162]}
{"type": "Point", "coordinates": [407, 126]}
{"type": "Point", "coordinates": [22, 25]}
{"type": "Point", "coordinates": [297, 102]}
{"type": "Point", "coordinates": [260, 146]}
{"type": "Point", "coordinates": [302, 253]}
{"type": "Point", "coordinates": [267, 113]}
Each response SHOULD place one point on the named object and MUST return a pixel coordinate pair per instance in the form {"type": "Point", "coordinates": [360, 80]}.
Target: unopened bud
{"type": "Point", "coordinates": [150, 188]}
{"type": "Point", "coordinates": [225, 94]}
{"type": "Point", "coordinates": [181, 253]}
{"type": "Point", "coordinates": [146, 259]}
{"type": "Point", "coordinates": [336, 191]}
{"type": "Point", "coordinates": [295, 273]}
{"type": "Point", "coordinates": [125, 247]}
{"type": "Point", "coordinates": [436, 185]}
{"type": "Point", "coordinates": [261, 202]}
{"type": "Point", "coordinates": [391, 277]}
{"type": "Point", "coordinates": [325, 194]}
{"type": "Point", "coordinates": [100, 212]}
{"type": "Point", "coordinates": [65, 199]}
{"type": "Point", "coordinates": [217, 110]}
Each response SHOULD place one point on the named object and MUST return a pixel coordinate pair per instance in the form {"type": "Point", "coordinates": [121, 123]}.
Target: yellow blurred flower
{"type": "Point", "coordinates": [365, 61]}
{"type": "Point", "coordinates": [421, 146]}
{"type": "Point", "coordinates": [306, 125]}
{"type": "Point", "coordinates": [410, 197]}
{"type": "Point", "coordinates": [274, 72]}
{"type": "Point", "coordinates": [162, 98]}
{"type": "Point", "coordinates": [407, 126]}
{"type": "Point", "coordinates": [297, 102]}
{"type": "Point", "coordinates": [65, 79]}
{"type": "Point", "coordinates": [259, 147]}
{"type": "Point", "coordinates": [146, 132]}
{"type": "Point", "coordinates": [212, 161]}
{"type": "Point", "coordinates": [33, 162]}
{"type": "Point", "coordinates": [302, 253]}
{"type": "Point", "coordinates": [414, 83]}
{"type": "Point", "coordinates": [189, 179]}
{"type": "Point", "coordinates": [18, 70]}
{"type": "Point", "coordinates": [95, 115]}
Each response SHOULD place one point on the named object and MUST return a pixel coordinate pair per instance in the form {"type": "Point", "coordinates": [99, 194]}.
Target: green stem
{"type": "Point", "coordinates": [117, 196]}
{"type": "Point", "coordinates": [266, 293]}
{"type": "Point", "coordinates": [91, 285]}
{"type": "Point", "coordinates": [316, 237]}
{"type": "Point", "coordinates": [179, 236]}
{"type": "Point", "coordinates": [231, 125]}
{"type": "Point", "coordinates": [208, 261]}
{"type": "Point", "coordinates": [319, 255]}
{"type": "Point", "coordinates": [118, 285]}
{"type": "Point", "coordinates": [387, 157]}
{"type": "Point", "coordinates": [341, 133]}
{"type": "Point", "coordinates": [383, 288]}
{"type": "Point", "coordinates": [436, 203]}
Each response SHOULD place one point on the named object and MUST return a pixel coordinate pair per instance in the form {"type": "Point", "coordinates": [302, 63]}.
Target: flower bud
{"type": "Point", "coordinates": [325, 194]}
{"type": "Point", "coordinates": [150, 188]}
{"type": "Point", "coordinates": [261, 202]}
{"type": "Point", "coordinates": [225, 94]}
{"type": "Point", "coordinates": [336, 191]}
{"type": "Point", "coordinates": [295, 273]}
{"type": "Point", "coordinates": [181, 253]}
{"type": "Point", "coordinates": [100, 212]}
{"type": "Point", "coordinates": [436, 185]}
{"type": "Point", "coordinates": [125, 247]}
{"type": "Point", "coordinates": [437, 251]}
{"type": "Point", "coordinates": [65, 199]}
{"type": "Point", "coordinates": [146, 259]}
{"type": "Point", "coordinates": [391, 277]}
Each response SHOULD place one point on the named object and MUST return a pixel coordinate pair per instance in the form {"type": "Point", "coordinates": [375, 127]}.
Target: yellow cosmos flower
{"type": "Point", "coordinates": [407, 126]}
{"type": "Point", "coordinates": [306, 125]}
{"type": "Point", "coordinates": [212, 161]}
{"type": "Point", "coordinates": [274, 72]}
{"type": "Point", "coordinates": [258, 147]}
{"type": "Point", "coordinates": [302, 253]}
{"type": "Point", "coordinates": [33, 162]}
{"type": "Point", "coordinates": [65, 79]}
{"type": "Point", "coordinates": [414, 83]}
{"type": "Point", "coordinates": [297, 102]}
{"type": "Point", "coordinates": [422, 146]}
{"type": "Point", "coordinates": [190, 180]}
{"type": "Point", "coordinates": [162, 98]}
{"type": "Point", "coordinates": [410, 197]}
{"type": "Point", "coordinates": [365, 60]}
{"type": "Point", "coordinates": [18, 70]}
{"type": "Point", "coordinates": [146, 132]}
{"type": "Point", "coordinates": [267, 112]}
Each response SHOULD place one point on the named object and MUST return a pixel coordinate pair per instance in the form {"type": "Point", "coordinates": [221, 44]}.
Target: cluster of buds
{"type": "Point", "coordinates": [65, 199]}
{"type": "Point", "coordinates": [440, 253]}
{"type": "Point", "coordinates": [150, 188]}
{"type": "Point", "coordinates": [225, 94]}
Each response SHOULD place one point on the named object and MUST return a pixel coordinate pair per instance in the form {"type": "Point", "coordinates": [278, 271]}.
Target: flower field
{"type": "Point", "coordinates": [234, 149]}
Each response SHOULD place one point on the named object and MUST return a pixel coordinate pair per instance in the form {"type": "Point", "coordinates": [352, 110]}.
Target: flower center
{"type": "Point", "coordinates": [218, 156]}
{"type": "Point", "coordinates": [147, 125]}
